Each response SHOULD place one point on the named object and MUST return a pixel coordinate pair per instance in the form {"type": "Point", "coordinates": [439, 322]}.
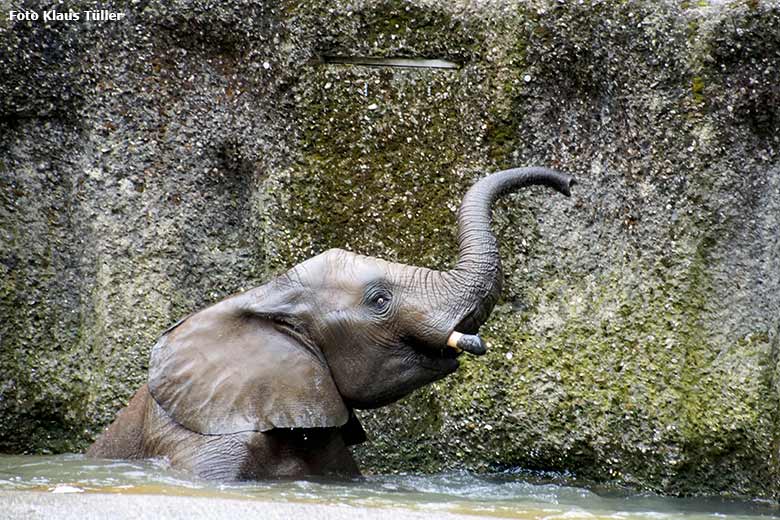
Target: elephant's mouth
{"type": "Point", "coordinates": [439, 359]}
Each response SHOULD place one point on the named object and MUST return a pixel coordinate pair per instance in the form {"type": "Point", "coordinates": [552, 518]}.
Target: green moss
{"type": "Point", "coordinates": [397, 28]}
{"type": "Point", "coordinates": [693, 29]}
{"type": "Point", "coordinates": [697, 88]}
{"type": "Point", "coordinates": [43, 393]}
{"type": "Point", "coordinates": [401, 141]}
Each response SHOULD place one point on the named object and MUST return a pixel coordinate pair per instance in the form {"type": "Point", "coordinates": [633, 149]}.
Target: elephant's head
{"type": "Point", "coordinates": [335, 332]}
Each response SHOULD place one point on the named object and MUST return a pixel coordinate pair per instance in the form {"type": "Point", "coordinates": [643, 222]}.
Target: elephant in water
{"type": "Point", "coordinates": [264, 383]}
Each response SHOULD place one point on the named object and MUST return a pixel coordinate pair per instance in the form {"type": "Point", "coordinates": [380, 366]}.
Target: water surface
{"type": "Point", "coordinates": [510, 495]}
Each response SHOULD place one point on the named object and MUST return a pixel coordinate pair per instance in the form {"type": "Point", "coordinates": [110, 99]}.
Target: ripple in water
{"type": "Point", "coordinates": [513, 495]}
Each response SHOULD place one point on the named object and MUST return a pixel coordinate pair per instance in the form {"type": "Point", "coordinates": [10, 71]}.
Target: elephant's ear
{"type": "Point", "coordinates": [228, 369]}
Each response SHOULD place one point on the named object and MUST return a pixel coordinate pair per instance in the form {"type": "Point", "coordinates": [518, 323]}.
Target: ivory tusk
{"type": "Point", "coordinates": [452, 341]}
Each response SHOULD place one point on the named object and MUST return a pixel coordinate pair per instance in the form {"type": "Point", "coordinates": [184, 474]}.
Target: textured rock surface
{"type": "Point", "coordinates": [151, 166]}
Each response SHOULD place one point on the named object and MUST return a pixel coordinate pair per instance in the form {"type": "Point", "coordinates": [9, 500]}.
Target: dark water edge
{"type": "Point", "coordinates": [516, 494]}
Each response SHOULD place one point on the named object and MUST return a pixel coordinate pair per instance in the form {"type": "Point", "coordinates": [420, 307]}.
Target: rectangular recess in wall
{"type": "Point", "coordinates": [415, 63]}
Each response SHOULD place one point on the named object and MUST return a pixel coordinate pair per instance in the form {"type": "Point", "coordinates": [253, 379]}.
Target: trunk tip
{"type": "Point", "coordinates": [470, 343]}
{"type": "Point", "coordinates": [567, 184]}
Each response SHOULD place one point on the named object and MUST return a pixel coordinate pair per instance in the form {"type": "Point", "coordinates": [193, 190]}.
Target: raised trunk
{"type": "Point", "coordinates": [477, 274]}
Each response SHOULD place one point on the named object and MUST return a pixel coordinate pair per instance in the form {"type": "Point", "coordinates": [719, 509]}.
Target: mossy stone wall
{"type": "Point", "coordinates": [152, 166]}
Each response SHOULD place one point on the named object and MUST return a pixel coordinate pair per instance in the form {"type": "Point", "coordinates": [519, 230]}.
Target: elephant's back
{"type": "Point", "coordinates": [123, 439]}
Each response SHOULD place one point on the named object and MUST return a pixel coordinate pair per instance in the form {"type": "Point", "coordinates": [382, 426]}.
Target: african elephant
{"type": "Point", "coordinates": [264, 383]}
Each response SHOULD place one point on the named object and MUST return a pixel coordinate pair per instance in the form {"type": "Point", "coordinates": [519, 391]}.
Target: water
{"type": "Point", "coordinates": [518, 495]}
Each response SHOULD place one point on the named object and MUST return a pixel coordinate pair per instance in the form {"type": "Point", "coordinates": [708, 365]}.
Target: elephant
{"type": "Point", "coordinates": [264, 383]}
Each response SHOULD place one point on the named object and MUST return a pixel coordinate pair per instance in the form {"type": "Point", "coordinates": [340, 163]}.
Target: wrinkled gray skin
{"type": "Point", "coordinates": [262, 384]}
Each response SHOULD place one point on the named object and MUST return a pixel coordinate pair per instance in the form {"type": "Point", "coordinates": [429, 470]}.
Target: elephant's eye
{"type": "Point", "coordinates": [380, 301]}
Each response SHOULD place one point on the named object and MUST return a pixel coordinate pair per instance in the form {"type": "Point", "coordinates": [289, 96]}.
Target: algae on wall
{"type": "Point", "coordinates": [196, 150]}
